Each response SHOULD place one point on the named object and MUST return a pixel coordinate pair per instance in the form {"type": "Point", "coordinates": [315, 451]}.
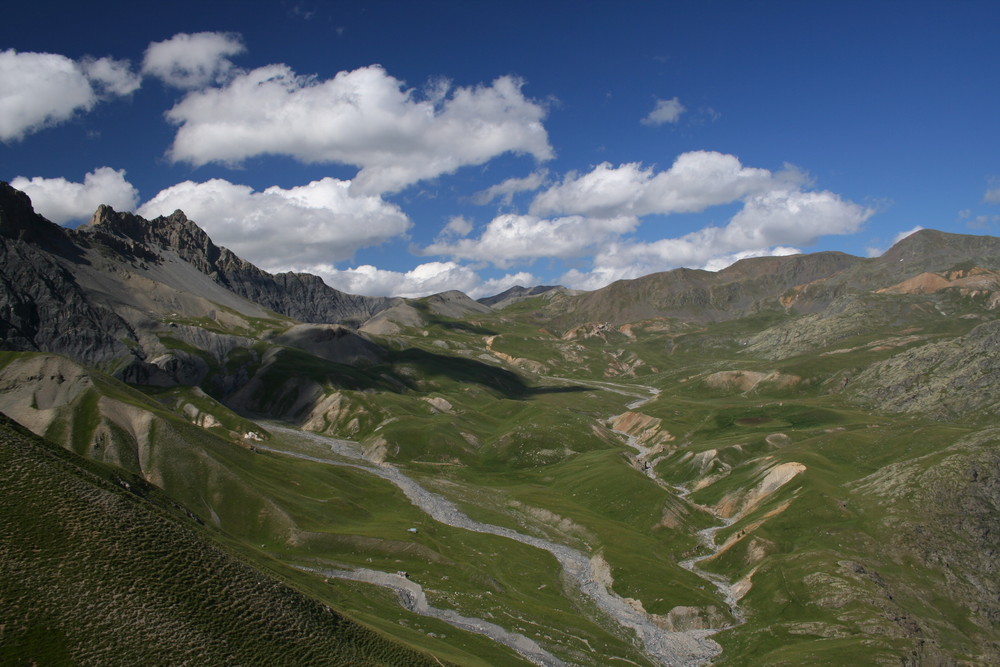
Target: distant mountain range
{"type": "Point", "coordinates": [89, 292]}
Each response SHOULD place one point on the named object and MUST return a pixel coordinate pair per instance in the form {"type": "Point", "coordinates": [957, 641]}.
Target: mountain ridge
{"type": "Point", "coordinates": [301, 296]}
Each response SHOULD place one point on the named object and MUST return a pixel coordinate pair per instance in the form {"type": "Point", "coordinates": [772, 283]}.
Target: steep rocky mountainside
{"type": "Point", "coordinates": [42, 306]}
{"type": "Point", "coordinates": [154, 302]}
{"type": "Point", "coordinates": [301, 296]}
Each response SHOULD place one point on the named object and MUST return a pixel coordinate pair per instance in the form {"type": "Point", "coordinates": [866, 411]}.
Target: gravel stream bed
{"type": "Point", "coordinates": [693, 647]}
{"type": "Point", "coordinates": [412, 597]}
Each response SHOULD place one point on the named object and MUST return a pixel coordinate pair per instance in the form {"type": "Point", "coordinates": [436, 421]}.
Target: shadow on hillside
{"type": "Point", "coordinates": [470, 371]}
{"type": "Point", "coordinates": [433, 319]}
{"type": "Point", "coordinates": [462, 326]}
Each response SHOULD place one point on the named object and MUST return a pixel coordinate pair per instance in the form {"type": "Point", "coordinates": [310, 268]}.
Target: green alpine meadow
{"type": "Point", "coordinates": [793, 460]}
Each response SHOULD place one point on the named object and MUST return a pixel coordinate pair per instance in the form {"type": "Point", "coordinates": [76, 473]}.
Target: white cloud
{"type": "Point", "coordinates": [506, 190]}
{"type": "Point", "coordinates": [193, 60]}
{"type": "Point", "coordinates": [61, 200]}
{"type": "Point", "coordinates": [696, 181]}
{"type": "Point", "coordinates": [509, 238]}
{"type": "Point", "coordinates": [722, 261]}
{"type": "Point", "coordinates": [665, 111]}
{"type": "Point", "coordinates": [605, 191]}
{"type": "Point", "coordinates": [634, 260]}
{"type": "Point", "coordinates": [38, 90]}
{"type": "Point", "coordinates": [364, 118]}
{"type": "Point", "coordinates": [767, 225]}
{"type": "Point", "coordinates": [600, 210]}
{"type": "Point", "coordinates": [322, 221]}
{"type": "Point", "coordinates": [607, 203]}
{"type": "Point", "coordinates": [992, 194]}
{"type": "Point", "coordinates": [791, 216]}
{"type": "Point", "coordinates": [424, 279]}
{"type": "Point", "coordinates": [115, 77]}
{"type": "Point", "coordinates": [495, 286]}
{"type": "Point", "coordinates": [457, 226]}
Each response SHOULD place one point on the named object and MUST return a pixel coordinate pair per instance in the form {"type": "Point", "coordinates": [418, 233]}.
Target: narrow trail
{"type": "Point", "coordinates": [692, 647]}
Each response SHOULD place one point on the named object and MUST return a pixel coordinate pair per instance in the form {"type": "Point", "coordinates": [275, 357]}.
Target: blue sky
{"type": "Point", "coordinates": [411, 147]}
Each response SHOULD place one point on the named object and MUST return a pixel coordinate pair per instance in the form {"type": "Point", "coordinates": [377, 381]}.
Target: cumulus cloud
{"type": "Point", "coordinates": [595, 214]}
{"type": "Point", "coordinates": [629, 261]}
{"type": "Point", "coordinates": [506, 190]}
{"type": "Point", "coordinates": [322, 221]}
{"type": "Point", "coordinates": [696, 181]}
{"type": "Point", "coordinates": [768, 224]}
{"type": "Point", "coordinates": [722, 261]}
{"type": "Point", "coordinates": [457, 226]}
{"type": "Point", "coordinates": [61, 200]}
{"type": "Point", "coordinates": [38, 90]}
{"type": "Point", "coordinates": [665, 111]}
{"type": "Point", "coordinates": [364, 118]}
{"type": "Point", "coordinates": [424, 279]}
{"type": "Point", "coordinates": [791, 216]}
{"type": "Point", "coordinates": [992, 194]}
{"type": "Point", "coordinates": [114, 77]}
{"type": "Point", "coordinates": [193, 60]}
{"type": "Point", "coordinates": [509, 238]}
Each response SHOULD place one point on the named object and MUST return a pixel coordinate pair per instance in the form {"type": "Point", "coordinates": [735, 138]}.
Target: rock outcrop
{"type": "Point", "coordinates": [42, 306]}
{"type": "Point", "coordinates": [949, 379]}
{"type": "Point", "coordinates": [301, 296]}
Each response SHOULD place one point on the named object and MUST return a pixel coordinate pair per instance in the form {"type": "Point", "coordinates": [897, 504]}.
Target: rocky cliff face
{"type": "Point", "coordinates": [301, 296]}
{"type": "Point", "coordinates": [109, 293]}
{"type": "Point", "coordinates": [946, 380]}
{"type": "Point", "coordinates": [305, 297]}
{"type": "Point", "coordinates": [42, 306]}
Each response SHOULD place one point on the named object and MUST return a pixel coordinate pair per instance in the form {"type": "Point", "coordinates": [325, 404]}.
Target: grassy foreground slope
{"type": "Point", "coordinates": [97, 567]}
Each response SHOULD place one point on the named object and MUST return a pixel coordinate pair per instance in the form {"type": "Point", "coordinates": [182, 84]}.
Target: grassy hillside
{"type": "Point", "coordinates": [97, 568]}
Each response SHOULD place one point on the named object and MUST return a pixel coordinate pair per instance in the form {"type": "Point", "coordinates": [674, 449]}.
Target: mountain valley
{"type": "Point", "coordinates": [793, 460]}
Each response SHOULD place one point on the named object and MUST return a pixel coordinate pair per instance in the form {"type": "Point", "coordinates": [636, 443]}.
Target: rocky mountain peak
{"type": "Point", "coordinates": [943, 248]}
{"type": "Point", "coordinates": [15, 206]}
{"type": "Point", "coordinates": [18, 219]}
{"type": "Point", "coordinates": [174, 231]}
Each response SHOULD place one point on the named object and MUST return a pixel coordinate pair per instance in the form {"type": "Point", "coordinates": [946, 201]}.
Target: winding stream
{"type": "Point", "coordinates": [413, 598]}
{"type": "Point", "coordinates": [667, 648]}
{"type": "Point", "coordinates": [706, 535]}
